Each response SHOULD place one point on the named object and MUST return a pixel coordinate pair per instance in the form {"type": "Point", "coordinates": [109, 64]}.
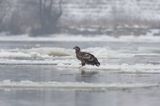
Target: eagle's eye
{"type": "Point", "coordinates": [76, 48]}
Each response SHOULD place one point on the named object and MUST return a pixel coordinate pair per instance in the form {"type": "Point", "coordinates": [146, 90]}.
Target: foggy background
{"type": "Point", "coordinates": [111, 17]}
{"type": "Point", "coordinates": [38, 65]}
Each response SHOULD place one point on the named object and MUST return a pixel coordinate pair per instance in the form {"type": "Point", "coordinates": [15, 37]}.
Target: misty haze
{"type": "Point", "coordinates": [116, 61]}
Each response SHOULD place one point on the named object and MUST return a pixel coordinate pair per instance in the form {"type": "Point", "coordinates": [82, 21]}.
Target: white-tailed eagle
{"type": "Point", "coordinates": [86, 58]}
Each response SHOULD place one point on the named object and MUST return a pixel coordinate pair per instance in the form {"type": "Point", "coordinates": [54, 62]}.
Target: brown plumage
{"type": "Point", "coordinates": [86, 58]}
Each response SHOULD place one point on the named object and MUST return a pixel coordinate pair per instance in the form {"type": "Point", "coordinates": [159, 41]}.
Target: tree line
{"type": "Point", "coordinates": [36, 17]}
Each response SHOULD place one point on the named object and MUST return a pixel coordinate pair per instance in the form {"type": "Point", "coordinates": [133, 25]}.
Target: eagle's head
{"type": "Point", "coordinates": [77, 49]}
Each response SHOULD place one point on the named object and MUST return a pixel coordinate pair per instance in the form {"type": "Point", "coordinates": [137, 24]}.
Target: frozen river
{"type": "Point", "coordinates": [45, 72]}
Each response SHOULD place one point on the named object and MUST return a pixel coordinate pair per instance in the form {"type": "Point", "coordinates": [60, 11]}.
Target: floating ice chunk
{"type": "Point", "coordinates": [53, 51]}
{"type": "Point", "coordinates": [72, 85]}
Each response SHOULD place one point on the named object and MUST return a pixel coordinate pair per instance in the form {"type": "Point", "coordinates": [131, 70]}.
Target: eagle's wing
{"type": "Point", "coordinates": [87, 56]}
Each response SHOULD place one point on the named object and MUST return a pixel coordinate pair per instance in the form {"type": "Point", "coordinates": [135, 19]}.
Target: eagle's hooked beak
{"type": "Point", "coordinates": [75, 47]}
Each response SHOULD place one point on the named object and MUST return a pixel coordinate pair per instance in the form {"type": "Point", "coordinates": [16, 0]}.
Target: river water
{"type": "Point", "coordinates": [46, 73]}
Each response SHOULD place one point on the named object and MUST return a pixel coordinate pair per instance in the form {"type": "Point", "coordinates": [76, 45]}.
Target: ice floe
{"type": "Point", "coordinates": [149, 37]}
{"type": "Point", "coordinates": [7, 84]}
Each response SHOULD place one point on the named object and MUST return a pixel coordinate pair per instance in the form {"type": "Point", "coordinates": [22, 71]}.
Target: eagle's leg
{"type": "Point", "coordinates": [83, 63]}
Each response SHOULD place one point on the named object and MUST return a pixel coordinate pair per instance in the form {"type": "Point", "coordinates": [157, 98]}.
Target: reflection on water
{"type": "Point", "coordinates": [43, 73]}
{"type": "Point", "coordinates": [142, 97]}
{"type": "Point", "coordinates": [87, 76]}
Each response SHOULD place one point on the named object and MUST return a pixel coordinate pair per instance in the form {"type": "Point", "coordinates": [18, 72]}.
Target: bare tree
{"type": "Point", "coordinates": [41, 17]}
{"type": "Point", "coordinates": [7, 16]}
{"type": "Point", "coordinates": [1, 16]}
{"type": "Point", "coordinates": [49, 14]}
